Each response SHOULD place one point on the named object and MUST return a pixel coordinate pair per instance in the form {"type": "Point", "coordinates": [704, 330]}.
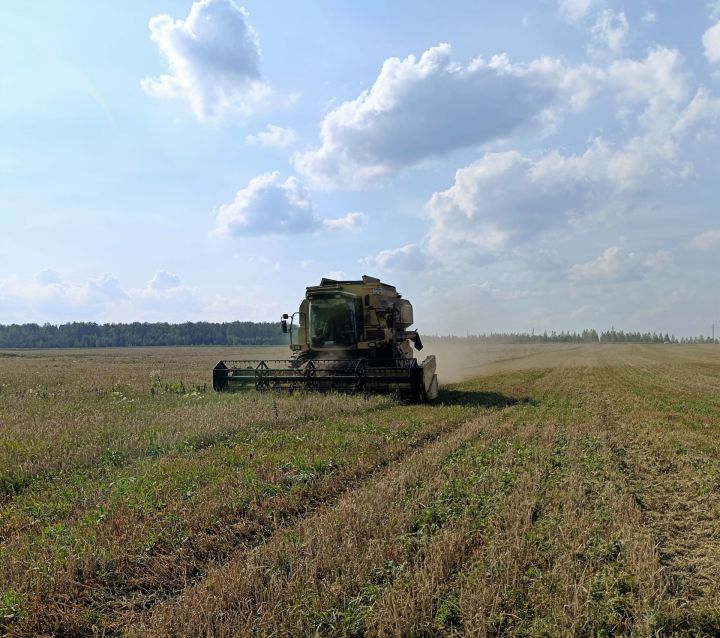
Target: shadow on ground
{"type": "Point", "coordinates": [476, 399]}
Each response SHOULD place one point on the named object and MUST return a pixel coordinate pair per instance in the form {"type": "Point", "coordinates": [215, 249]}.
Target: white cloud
{"type": "Point", "coordinates": [615, 265]}
{"type": "Point", "coordinates": [48, 298]}
{"type": "Point", "coordinates": [507, 206]}
{"type": "Point", "coordinates": [105, 286]}
{"type": "Point", "coordinates": [248, 302]}
{"type": "Point", "coordinates": [423, 108]}
{"type": "Point", "coordinates": [164, 280]}
{"type": "Point", "coordinates": [419, 109]}
{"type": "Point", "coordinates": [657, 260]}
{"type": "Point", "coordinates": [213, 57]}
{"type": "Point", "coordinates": [163, 287]}
{"type": "Point", "coordinates": [707, 240]}
{"type": "Point", "coordinates": [272, 136]}
{"type": "Point", "coordinates": [269, 206]}
{"type": "Point", "coordinates": [608, 30]}
{"type": "Point", "coordinates": [711, 43]}
{"type": "Point", "coordinates": [405, 258]}
{"type": "Point", "coordinates": [649, 17]}
{"type": "Point", "coordinates": [658, 82]}
{"type": "Point", "coordinates": [714, 9]}
{"type": "Point", "coordinates": [576, 10]}
{"type": "Point", "coordinates": [350, 222]}
{"type": "Point", "coordinates": [164, 297]}
{"type": "Point", "coordinates": [337, 275]}
{"type": "Point", "coordinates": [609, 33]}
{"type": "Point", "coordinates": [509, 198]}
{"type": "Point", "coordinates": [506, 199]}
{"type": "Point", "coordinates": [467, 217]}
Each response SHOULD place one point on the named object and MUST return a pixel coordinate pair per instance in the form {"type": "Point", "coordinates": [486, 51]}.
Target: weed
{"type": "Point", "coordinates": [11, 608]}
{"type": "Point", "coordinates": [448, 614]}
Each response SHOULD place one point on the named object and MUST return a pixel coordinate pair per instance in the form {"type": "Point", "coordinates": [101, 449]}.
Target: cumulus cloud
{"type": "Point", "coordinates": [213, 57]}
{"type": "Point", "coordinates": [163, 281]}
{"type": "Point", "coordinates": [611, 266]}
{"type": "Point", "coordinates": [649, 17]}
{"type": "Point", "coordinates": [350, 222]}
{"type": "Point", "coordinates": [576, 10]}
{"type": "Point", "coordinates": [506, 198]}
{"type": "Point", "coordinates": [102, 298]}
{"type": "Point", "coordinates": [609, 33]}
{"type": "Point", "coordinates": [711, 43]}
{"type": "Point", "coordinates": [164, 286]}
{"type": "Point", "coordinates": [469, 215]}
{"type": "Point", "coordinates": [615, 265]}
{"type": "Point", "coordinates": [714, 9]}
{"type": "Point", "coordinates": [406, 258]}
{"type": "Point", "coordinates": [269, 206]}
{"type": "Point", "coordinates": [608, 29]}
{"type": "Point", "coordinates": [507, 205]}
{"type": "Point", "coordinates": [272, 136]}
{"type": "Point", "coordinates": [659, 83]}
{"type": "Point", "coordinates": [48, 298]}
{"type": "Point", "coordinates": [166, 296]}
{"type": "Point", "coordinates": [419, 109]}
{"type": "Point", "coordinates": [707, 240]}
{"type": "Point", "coordinates": [427, 107]}
{"type": "Point", "coordinates": [657, 260]}
{"type": "Point", "coordinates": [105, 286]}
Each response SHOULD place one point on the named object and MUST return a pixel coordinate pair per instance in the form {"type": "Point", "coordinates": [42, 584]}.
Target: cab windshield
{"type": "Point", "coordinates": [335, 321]}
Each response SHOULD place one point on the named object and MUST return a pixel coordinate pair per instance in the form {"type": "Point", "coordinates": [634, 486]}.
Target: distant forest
{"type": "Point", "coordinates": [92, 335]}
{"type": "Point", "coordinates": [248, 333]}
{"type": "Point", "coordinates": [586, 336]}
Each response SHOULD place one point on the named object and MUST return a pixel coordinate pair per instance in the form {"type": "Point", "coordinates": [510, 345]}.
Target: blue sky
{"type": "Point", "coordinates": [509, 166]}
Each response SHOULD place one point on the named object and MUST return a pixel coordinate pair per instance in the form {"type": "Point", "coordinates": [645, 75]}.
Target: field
{"type": "Point", "coordinates": [551, 491]}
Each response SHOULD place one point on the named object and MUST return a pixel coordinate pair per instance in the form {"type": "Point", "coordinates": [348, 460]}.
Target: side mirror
{"type": "Point", "coordinates": [283, 325]}
{"type": "Point", "coordinates": [286, 316]}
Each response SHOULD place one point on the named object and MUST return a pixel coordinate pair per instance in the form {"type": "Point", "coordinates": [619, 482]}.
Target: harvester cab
{"type": "Point", "coordinates": [350, 336]}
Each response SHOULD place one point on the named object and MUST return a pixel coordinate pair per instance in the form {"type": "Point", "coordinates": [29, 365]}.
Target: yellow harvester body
{"type": "Point", "coordinates": [347, 335]}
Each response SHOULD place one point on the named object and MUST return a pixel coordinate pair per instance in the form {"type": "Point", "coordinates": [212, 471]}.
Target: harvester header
{"type": "Point", "coordinates": [347, 335]}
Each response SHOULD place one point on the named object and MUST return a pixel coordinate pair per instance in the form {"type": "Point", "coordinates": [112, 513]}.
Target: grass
{"type": "Point", "coordinates": [566, 491]}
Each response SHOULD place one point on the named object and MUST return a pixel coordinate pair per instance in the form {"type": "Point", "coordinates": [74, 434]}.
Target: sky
{"type": "Point", "coordinates": [527, 165]}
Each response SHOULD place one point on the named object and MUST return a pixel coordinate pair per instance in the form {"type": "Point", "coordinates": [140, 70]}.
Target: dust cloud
{"type": "Point", "coordinates": [460, 361]}
{"type": "Point", "coordinates": [457, 361]}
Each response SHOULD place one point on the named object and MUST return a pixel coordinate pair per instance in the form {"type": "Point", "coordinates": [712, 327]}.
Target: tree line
{"type": "Point", "coordinates": [249, 333]}
{"type": "Point", "coordinates": [93, 335]}
{"type": "Point", "coordinates": [586, 336]}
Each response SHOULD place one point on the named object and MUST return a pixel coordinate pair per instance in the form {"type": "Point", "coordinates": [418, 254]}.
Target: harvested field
{"type": "Point", "coordinates": [551, 491]}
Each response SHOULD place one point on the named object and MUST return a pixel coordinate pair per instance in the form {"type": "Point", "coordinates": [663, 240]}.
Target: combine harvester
{"type": "Point", "coordinates": [351, 336]}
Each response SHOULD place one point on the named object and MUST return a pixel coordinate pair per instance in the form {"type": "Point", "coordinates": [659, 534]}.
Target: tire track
{"type": "Point", "coordinates": [234, 597]}
{"type": "Point", "coordinates": [673, 472]}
